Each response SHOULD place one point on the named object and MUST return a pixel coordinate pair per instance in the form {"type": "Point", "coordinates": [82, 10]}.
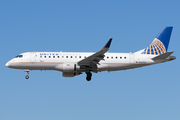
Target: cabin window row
{"type": "Point", "coordinates": [61, 57]}
{"type": "Point", "coordinates": [115, 57]}
{"type": "Point", "coordinates": [80, 57]}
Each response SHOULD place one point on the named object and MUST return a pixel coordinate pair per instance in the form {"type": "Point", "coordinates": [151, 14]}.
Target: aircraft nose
{"type": "Point", "coordinates": [7, 64]}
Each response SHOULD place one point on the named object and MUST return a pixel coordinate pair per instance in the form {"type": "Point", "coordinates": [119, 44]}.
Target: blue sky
{"type": "Point", "coordinates": [150, 92]}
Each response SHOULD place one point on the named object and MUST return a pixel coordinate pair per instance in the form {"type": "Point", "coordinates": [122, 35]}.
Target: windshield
{"type": "Point", "coordinates": [19, 56]}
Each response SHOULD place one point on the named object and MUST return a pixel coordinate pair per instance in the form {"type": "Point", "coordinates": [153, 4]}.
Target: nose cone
{"type": "Point", "coordinates": [7, 64]}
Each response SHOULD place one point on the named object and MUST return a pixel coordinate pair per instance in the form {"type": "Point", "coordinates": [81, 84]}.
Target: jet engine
{"type": "Point", "coordinates": [70, 74]}
{"type": "Point", "coordinates": [68, 69]}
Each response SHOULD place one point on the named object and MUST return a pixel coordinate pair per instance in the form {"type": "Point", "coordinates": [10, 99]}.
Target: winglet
{"type": "Point", "coordinates": [108, 43]}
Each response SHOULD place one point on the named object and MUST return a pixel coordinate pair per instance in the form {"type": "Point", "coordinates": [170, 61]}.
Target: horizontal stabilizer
{"type": "Point", "coordinates": [163, 56]}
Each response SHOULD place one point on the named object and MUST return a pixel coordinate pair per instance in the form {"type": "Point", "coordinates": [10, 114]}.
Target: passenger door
{"type": "Point", "coordinates": [131, 58]}
{"type": "Point", "coordinates": [33, 57]}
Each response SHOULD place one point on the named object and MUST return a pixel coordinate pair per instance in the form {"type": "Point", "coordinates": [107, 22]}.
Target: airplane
{"type": "Point", "coordinates": [75, 63]}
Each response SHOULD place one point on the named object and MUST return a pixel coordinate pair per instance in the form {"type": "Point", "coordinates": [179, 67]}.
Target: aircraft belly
{"type": "Point", "coordinates": [120, 66]}
{"type": "Point", "coordinates": [42, 66]}
{"type": "Point", "coordinates": [33, 65]}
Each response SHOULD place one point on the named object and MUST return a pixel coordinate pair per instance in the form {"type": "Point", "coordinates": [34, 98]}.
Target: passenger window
{"type": "Point", "coordinates": [124, 57]}
{"type": "Point", "coordinates": [71, 57]}
{"type": "Point", "coordinates": [44, 56]}
{"type": "Point", "coordinates": [66, 56]}
{"type": "Point", "coordinates": [62, 56]}
{"type": "Point", "coordinates": [107, 57]}
{"type": "Point", "coordinates": [120, 57]}
{"type": "Point", "coordinates": [49, 56]}
{"type": "Point", "coordinates": [116, 57]}
{"type": "Point", "coordinates": [111, 57]}
{"type": "Point", "coordinates": [53, 56]}
{"type": "Point", "coordinates": [79, 56]}
{"type": "Point", "coordinates": [75, 56]}
{"type": "Point", "coordinates": [40, 56]}
{"type": "Point", "coordinates": [84, 56]}
{"type": "Point", "coordinates": [58, 56]}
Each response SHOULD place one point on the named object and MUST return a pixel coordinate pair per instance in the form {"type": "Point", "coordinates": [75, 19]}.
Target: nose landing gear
{"type": "Point", "coordinates": [27, 76]}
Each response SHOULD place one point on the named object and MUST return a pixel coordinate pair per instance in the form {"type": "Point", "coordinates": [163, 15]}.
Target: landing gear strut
{"type": "Point", "coordinates": [89, 74]}
{"type": "Point", "coordinates": [27, 76]}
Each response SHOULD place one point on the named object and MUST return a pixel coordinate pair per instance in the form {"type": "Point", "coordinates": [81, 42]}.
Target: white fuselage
{"type": "Point", "coordinates": [55, 61]}
{"type": "Point", "coordinates": [75, 63]}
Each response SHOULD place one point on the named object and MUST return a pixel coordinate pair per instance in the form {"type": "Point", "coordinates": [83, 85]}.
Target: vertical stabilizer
{"type": "Point", "coordinates": [160, 44]}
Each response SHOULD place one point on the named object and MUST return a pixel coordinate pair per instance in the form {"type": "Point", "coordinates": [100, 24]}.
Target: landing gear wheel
{"type": "Point", "coordinates": [27, 76]}
{"type": "Point", "coordinates": [27, 71]}
{"type": "Point", "coordinates": [89, 74]}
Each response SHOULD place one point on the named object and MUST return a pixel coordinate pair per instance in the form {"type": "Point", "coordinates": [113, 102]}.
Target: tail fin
{"type": "Point", "coordinates": [160, 44]}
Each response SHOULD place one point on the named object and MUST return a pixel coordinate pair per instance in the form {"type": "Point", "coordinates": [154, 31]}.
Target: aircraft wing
{"type": "Point", "coordinates": [96, 57]}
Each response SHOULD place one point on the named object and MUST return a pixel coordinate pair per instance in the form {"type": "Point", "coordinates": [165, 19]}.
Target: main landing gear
{"type": "Point", "coordinates": [27, 76]}
{"type": "Point", "coordinates": [89, 74]}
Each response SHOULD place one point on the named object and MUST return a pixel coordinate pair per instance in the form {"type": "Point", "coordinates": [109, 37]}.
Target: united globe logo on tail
{"type": "Point", "coordinates": [155, 48]}
{"type": "Point", "coordinates": [160, 44]}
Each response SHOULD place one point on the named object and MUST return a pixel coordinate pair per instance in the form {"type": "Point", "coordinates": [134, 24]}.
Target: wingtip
{"type": "Point", "coordinates": [108, 43]}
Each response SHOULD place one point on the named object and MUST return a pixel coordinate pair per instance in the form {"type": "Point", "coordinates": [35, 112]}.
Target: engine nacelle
{"type": "Point", "coordinates": [70, 74]}
{"type": "Point", "coordinates": [68, 67]}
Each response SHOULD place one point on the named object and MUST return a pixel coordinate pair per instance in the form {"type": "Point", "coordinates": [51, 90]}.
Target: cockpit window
{"type": "Point", "coordinates": [19, 56]}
